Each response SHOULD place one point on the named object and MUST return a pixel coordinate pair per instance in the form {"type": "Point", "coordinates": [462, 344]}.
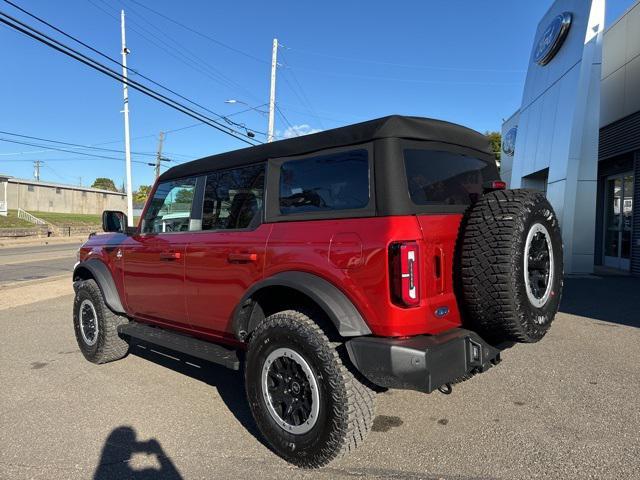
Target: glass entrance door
{"type": "Point", "coordinates": [618, 216]}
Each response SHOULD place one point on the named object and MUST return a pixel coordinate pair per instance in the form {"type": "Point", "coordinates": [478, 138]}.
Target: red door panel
{"type": "Point", "coordinates": [154, 277]}
{"type": "Point", "coordinates": [220, 267]}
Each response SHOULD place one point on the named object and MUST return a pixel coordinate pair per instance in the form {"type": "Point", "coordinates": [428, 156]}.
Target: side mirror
{"type": "Point", "coordinates": [114, 221]}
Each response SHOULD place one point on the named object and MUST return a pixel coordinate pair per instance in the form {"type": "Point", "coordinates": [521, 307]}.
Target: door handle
{"type": "Point", "coordinates": [170, 256]}
{"type": "Point", "coordinates": [242, 257]}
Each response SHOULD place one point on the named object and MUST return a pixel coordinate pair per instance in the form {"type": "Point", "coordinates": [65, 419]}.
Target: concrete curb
{"type": "Point", "coordinates": [35, 281]}
{"type": "Point", "coordinates": [9, 243]}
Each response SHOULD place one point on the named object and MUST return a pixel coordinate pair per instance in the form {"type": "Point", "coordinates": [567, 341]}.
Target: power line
{"type": "Point", "coordinates": [199, 65]}
{"type": "Point", "coordinates": [399, 79]}
{"type": "Point", "coordinates": [59, 46]}
{"type": "Point", "coordinates": [203, 35]}
{"type": "Point", "coordinates": [64, 178]}
{"type": "Point", "coordinates": [105, 56]}
{"type": "Point", "coordinates": [71, 159]}
{"type": "Point", "coordinates": [284, 117]}
{"type": "Point", "coordinates": [95, 145]}
{"type": "Point", "coordinates": [405, 65]}
{"type": "Point", "coordinates": [79, 146]}
{"type": "Point", "coordinates": [302, 97]}
{"type": "Point", "coordinates": [94, 155]}
{"type": "Point", "coordinates": [199, 61]}
{"type": "Point", "coordinates": [290, 108]}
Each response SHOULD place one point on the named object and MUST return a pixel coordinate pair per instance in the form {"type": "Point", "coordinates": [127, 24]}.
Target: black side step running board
{"type": "Point", "coordinates": [182, 343]}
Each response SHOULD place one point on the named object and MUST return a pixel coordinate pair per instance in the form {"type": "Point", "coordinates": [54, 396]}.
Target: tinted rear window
{"type": "Point", "coordinates": [445, 178]}
{"type": "Point", "coordinates": [338, 181]}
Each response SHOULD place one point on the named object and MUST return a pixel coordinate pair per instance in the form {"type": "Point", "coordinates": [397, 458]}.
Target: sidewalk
{"type": "Point", "coordinates": [25, 293]}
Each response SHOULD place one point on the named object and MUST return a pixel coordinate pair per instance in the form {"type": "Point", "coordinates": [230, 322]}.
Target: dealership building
{"type": "Point", "coordinates": [576, 135]}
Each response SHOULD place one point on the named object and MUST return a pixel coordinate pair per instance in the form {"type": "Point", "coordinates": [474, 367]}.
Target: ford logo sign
{"type": "Point", "coordinates": [509, 142]}
{"type": "Point", "coordinates": [552, 38]}
{"type": "Point", "coordinates": [441, 311]}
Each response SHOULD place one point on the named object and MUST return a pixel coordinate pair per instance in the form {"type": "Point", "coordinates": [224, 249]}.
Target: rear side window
{"type": "Point", "coordinates": [233, 198]}
{"type": "Point", "coordinates": [444, 178]}
{"type": "Point", "coordinates": [338, 181]}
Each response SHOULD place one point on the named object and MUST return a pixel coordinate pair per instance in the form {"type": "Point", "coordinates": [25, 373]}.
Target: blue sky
{"type": "Point", "coordinates": [342, 62]}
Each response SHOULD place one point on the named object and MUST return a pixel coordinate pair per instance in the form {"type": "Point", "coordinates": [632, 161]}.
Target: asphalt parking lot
{"type": "Point", "coordinates": [566, 407]}
{"type": "Point", "coordinates": [36, 262]}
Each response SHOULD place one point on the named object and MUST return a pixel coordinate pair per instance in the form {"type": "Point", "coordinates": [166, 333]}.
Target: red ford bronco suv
{"type": "Point", "coordinates": [380, 255]}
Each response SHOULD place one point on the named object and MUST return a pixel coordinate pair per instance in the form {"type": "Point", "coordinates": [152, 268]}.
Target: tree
{"type": "Point", "coordinates": [496, 144]}
{"type": "Point", "coordinates": [142, 193]}
{"type": "Point", "coordinates": [104, 184]}
{"type": "Point", "coordinates": [184, 195]}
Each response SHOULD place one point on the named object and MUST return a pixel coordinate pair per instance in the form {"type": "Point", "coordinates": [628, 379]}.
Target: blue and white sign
{"type": "Point", "coordinates": [509, 142]}
{"type": "Point", "coordinates": [552, 38]}
{"type": "Point", "coordinates": [556, 147]}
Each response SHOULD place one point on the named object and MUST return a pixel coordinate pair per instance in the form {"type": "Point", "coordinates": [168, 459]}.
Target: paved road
{"type": "Point", "coordinates": [18, 264]}
{"type": "Point", "coordinates": [566, 407]}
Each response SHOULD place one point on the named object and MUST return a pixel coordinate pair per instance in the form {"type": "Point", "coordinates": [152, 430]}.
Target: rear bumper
{"type": "Point", "coordinates": [423, 362]}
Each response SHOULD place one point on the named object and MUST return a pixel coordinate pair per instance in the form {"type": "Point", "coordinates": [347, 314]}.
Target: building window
{"type": "Point", "coordinates": [31, 188]}
{"type": "Point", "coordinates": [58, 190]}
{"type": "Point", "coordinates": [104, 195]}
{"type": "Point", "coordinates": [84, 194]}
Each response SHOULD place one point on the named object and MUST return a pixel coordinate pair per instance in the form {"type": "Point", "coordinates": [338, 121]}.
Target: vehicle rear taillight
{"type": "Point", "coordinates": [404, 273]}
{"type": "Point", "coordinates": [493, 185]}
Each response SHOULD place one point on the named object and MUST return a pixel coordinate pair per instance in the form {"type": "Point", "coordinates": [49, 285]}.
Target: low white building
{"type": "Point", "coordinates": [36, 196]}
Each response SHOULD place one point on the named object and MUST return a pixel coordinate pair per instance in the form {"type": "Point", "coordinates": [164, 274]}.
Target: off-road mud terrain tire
{"type": "Point", "coordinates": [346, 406]}
{"type": "Point", "coordinates": [497, 300]}
{"type": "Point", "coordinates": [108, 346]}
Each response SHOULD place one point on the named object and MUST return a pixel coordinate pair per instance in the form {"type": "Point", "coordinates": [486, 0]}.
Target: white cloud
{"type": "Point", "coordinates": [298, 130]}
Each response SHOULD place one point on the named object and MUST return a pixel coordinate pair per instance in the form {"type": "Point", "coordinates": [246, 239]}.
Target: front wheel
{"type": "Point", "coordinates": [309, 407]}
{"type": "Point", "coordinates": [96, 326]}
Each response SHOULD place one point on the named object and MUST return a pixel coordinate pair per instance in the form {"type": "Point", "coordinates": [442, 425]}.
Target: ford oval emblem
{"type": "Point", "coordinates": [441, 311]}
{"type": "Point", "coordinates": [552, 38]}
{"type": "Point", "coordinates": [509, 142]}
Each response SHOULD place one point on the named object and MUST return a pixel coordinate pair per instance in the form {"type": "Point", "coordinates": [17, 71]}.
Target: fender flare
{"type": "Point", "coordinates": [102, 275]}
{"type": "Point", "coordinates": [340, 310]}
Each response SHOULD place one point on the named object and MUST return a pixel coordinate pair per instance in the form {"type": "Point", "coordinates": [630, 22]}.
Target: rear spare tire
{"type": "Point", "coordinates": [511, 266]}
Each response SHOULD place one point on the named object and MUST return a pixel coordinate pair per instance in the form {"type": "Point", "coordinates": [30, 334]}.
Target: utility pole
{"type": "Point", "coordinates": [127, 140]}
{"type": "Point", "coordinates": [272, 96]}
{"type": "Point", "coordinates": [36, 169]}
{"type": "Point", "coordinates": [159, 154]}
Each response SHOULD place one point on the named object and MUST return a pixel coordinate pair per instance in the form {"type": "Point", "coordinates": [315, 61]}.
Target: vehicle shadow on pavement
{"type": "Point", "coordinates": [118, 458]}
{"type": "Point", "coordinates": [614, 299]}
{"type": "Point", "coordinates": [229, 383]}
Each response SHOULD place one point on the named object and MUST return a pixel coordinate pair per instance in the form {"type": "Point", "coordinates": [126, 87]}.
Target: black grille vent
{"type": "Point", "coordinates": [620, 137]}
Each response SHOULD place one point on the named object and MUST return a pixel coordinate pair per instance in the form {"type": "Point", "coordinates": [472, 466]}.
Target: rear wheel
{"type": "Point", "coordinates": [96, 326]}
{"type": "Point", "coordinates": [308, 405]}
{"type": "Point", "coordinates": [511, 266]}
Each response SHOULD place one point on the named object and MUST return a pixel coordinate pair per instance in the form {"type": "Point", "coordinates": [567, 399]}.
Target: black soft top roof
{"type": "Point", "coordinates": [394, 126]}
